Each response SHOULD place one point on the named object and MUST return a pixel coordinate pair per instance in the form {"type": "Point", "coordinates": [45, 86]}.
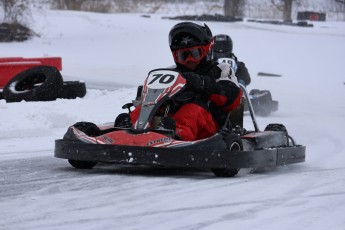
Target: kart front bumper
{"type": "Point", "coordinates": [179, 157]}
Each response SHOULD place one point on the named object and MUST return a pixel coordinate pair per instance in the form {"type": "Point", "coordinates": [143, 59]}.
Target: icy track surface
{"type": "Point", "coordinates": [112, 54]}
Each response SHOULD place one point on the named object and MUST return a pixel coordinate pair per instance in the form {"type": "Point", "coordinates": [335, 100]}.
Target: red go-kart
{"type": "Point", "coordinates": [148, 143]}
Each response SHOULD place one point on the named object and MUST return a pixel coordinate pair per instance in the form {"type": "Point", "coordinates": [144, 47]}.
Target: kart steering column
{"type": "Point", "coordinates": [250, 107]}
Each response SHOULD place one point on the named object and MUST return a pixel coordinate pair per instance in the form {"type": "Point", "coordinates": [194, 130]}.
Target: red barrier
{"type": "Point", "coordinates": [11, 66]}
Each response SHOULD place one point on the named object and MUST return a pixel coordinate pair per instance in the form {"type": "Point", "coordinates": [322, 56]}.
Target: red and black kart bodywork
{"type": "Point", "coordinates": [146, 144]}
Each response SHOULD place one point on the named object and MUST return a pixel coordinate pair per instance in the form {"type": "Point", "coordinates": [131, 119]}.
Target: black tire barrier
{"type": "Point", "coordinates": [72, 90]}
{"type": "Point", "coordinates": [41, 83]}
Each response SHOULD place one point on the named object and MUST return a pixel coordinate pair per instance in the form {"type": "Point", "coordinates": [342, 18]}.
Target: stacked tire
{"type": "Point", "coordinates": [41, 83]}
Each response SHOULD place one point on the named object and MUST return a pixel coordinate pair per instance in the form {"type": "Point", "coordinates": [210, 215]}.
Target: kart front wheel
{"type": "Point", "coordinates": [235, 144]}
{"type": "Point", "coordinates": [82, 164]}
{"type": "Point", "coordinates": [225, 172]}
{"type": "Point", "coordinates": [88, 128]}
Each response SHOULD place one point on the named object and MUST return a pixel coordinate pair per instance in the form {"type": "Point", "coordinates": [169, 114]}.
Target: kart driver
{"type": "Point", "coordinates": [214, 85]}
{"type": "Point", "coordinates": [223, 46]}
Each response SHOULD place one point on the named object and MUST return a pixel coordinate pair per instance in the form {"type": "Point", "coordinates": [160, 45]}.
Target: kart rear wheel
{"type": "Point", "coordinates": [235, 144]}
{"type": "Point", "coordinates": [280, 128]}
{"type": "Point", "coordinates": [82, 164]}
{"type": "Point", "coordinates": [276, 127]}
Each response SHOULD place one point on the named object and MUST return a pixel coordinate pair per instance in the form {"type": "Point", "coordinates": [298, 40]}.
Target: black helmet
{"type": "Point", "coordinates": [222, 46]}
{"type": "Point", "coordinates": [188, 34]}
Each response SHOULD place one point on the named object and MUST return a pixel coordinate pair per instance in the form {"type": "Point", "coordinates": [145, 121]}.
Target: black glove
{"type": "Point", "coordinates": [199, 83]}
{"type": "Point", "coordinates": [168, 123]}
{"type": "Point", "coordinates": [194, 81]}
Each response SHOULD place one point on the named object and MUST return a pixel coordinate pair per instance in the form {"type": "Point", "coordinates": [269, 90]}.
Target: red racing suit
{"type": "Point", "coordinates": [199, 118]}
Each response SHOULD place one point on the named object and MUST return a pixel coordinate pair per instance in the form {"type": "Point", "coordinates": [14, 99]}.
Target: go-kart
{"type": "Point", "coordinates": [262, 102]}
{"type": "Point", "coordinates": [146, 142]}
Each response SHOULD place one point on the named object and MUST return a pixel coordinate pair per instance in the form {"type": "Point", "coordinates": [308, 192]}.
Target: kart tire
{"type": "Point", "coordinates": [278, 127]}
{"type": "Point", "coordinates": [88, 128]}
{"type": "Point", "coordinates": [72, 90]}
{"type": "Point", "coordinates": [82, 164]}
{"type": "Point", "coordinates": [218, 172]}
{"type": "Point", "coordinates": [1, 96]}
{"type": "Point", "coordinates": [41, 83]}
{"type": "Point", "coordinates": [234, 144]}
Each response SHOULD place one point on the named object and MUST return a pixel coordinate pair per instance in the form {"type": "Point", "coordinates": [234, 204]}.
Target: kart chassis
{"type": "Point", "coordinates": [260, 149]}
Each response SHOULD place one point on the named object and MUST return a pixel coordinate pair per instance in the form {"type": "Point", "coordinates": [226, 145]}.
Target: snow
{"type": "Point", "coordinates": [113, 53]}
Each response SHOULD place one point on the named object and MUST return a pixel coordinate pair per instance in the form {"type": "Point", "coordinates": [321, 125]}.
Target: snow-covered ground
{"type": "Point", "coordinates": [112, 54]}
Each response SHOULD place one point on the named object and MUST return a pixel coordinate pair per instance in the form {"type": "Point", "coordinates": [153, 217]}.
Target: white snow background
{"type": "Point", "coordinates": [113, 53]}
